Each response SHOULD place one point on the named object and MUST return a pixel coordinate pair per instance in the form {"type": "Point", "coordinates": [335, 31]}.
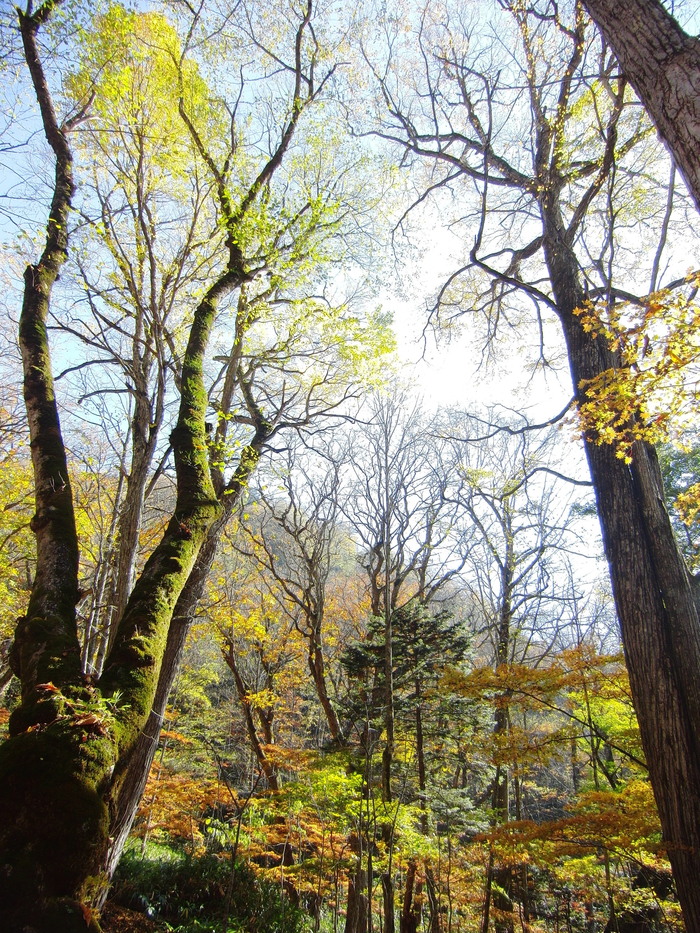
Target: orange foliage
{"type": "Point", "coordinates": [174, 803]}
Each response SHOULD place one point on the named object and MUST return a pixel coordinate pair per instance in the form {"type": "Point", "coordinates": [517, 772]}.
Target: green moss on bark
{"type": "Point", "coordinates": [54, 819]}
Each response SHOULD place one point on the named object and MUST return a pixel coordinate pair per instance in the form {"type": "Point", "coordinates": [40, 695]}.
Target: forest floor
{"type": "Point", "coordinates": [116, 919]}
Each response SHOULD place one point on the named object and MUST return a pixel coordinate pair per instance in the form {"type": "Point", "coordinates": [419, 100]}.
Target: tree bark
{"type": "Point", "coordinates": [653, 593]}
{"type": "Point", "coordinates": [662, 63]}
{"type": "Point", "coordinates": [388, 902]}
{"type": "Point", "coordinates": [317, 668]}
{"type": "Point", "coordinates": [136, 767]}
{"type": "Point", "coordinates": [356, 915]}
{"type": "Point", "coordinates": [410, 909]}
{"type": "Point", "coordinates": [63, 764]}
{"type": "Point", "coordinates": [57, 769]}
{"type": "Point", "coordinates": [266, 766]}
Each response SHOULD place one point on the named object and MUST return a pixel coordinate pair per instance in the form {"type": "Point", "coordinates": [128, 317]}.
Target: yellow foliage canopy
{"type": "Point", "coordinates": [652, 394]}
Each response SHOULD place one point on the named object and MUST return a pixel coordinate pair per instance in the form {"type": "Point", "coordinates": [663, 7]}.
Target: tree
{"type": "Point", "coordinates": [462, 121]}
{"type": "Point", "coordinates": [398, 509]}
{"type": "Point", "coordinates": [164, 166]}
{"type": "Point", "coordinates": [71, 739]}
{"type": "Point", "coordinates": [144, 246]}
{"type": "Point", "coordinates": [662, 63]}
{"type": "Point", "coordinates": [296, 540]}
{"type": "Point", "coordinates": [520, 534]}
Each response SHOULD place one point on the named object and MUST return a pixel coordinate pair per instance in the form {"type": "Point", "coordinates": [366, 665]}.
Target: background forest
{"type": "Point", "coordinates": [306, 622]}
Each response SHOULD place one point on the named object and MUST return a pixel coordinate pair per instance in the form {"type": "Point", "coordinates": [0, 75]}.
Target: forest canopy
{"type": "Point", "coordinates": [348, 445]}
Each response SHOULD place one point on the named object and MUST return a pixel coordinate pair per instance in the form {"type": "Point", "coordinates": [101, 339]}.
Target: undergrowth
{"type": "Point", "coordinates": [203, 894]}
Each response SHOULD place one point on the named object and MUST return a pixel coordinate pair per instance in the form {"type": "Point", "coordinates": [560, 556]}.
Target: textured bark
{"type": "Point", "coordinates": [40, 767]}
{"type": "Point", "coordinates": [56, 769]}
{"type": "Point", "coordinates": [662, 63]}
{"type": "Point", "coordinates": [134, 768]}
{"type": "Point", "coordinates": [70, 739]}
{"type": "Point", "coordinates": [46, 640]}
{"type": "Point", "coordinates": [356, 914]}
{"type": "Point", "coordinates": [653, 594]}
{"type": "Point", "coordinates": [388, 909]}
{"type": "Point", "coordinates": [55, 780]}
{"type": "Point", "coordinates": [410, 909]}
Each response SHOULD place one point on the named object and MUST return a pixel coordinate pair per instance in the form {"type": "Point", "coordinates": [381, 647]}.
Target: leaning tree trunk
{"type": "Point", "coordinates": [58, 767]}
{"type": "Point", "coordinates": [662, 63]}
{"type": "Point", "coordinates": [317, 668]}
{"type": "Point", "coordinates": [136, 766]}
{"type": "Point", "coordinates": [653, 593]}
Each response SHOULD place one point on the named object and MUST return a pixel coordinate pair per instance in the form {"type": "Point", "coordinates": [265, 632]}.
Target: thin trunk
{"type": "Point", "coordinates": [433, 900]}
{"type": "Point", "coordinates": [6, 676]}
{"type": "Point", "coordinates": [388, 751]}
{"type": "Point", "coordinates": [264, 762]}
{"type": "Point", "coordinates": [130, 522]}
{"type": "Point", "coordinates": [317, 667]}
{"type": "Point", "coordinates": [486, 911]}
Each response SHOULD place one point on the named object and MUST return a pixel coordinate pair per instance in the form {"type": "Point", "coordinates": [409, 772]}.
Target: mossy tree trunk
{"type": "Point", "coordinates": [136, 766]}
{"type": "Point", "coordinates": [72, 738]}
{"type": "Point", "coordinates": [66, 736]}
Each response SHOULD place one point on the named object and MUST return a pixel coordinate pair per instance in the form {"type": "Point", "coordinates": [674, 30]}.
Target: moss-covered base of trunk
{"type": "Point", "coordinates": [54, 824]}
{"type": "Point", "coordinates": [60, 915]}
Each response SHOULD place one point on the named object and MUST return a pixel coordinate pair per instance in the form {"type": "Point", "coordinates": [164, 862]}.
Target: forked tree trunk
{"type": "Point", "coordinates": [410, 910]}
{"type": "Point", "coordinates": [57, 769]}
{"type": "Point", "coordinates": [63, 763]}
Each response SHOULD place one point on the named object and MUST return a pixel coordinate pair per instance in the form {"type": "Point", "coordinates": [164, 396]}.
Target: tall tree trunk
{"type": "Point", "coordinates": [136, 766]}
{"type": "Point", "coordinates": [356, 914]}
{"type": "Point", "coordinates": [266, 766]}
{"type": "Point", "coordinates": [38, 863]}
{"type": "Point", "coordinates": [662, 63]}
{"type": "Point", "coordinates": [653, 594]}
{"type": "Point", "coordinates": [57, 769]}
{"type": "Point", "coordinates": [318, 673]}
{"type": "Point", "coordinates": [130, 518]}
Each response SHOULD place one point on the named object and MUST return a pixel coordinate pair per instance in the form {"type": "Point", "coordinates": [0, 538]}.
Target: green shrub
{"type": "Point", "coordinates": [195, 894]}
